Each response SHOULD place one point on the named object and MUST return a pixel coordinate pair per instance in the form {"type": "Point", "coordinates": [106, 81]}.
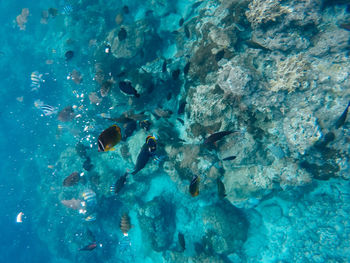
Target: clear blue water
{"type": "Point", "coordinates": [305, 220]}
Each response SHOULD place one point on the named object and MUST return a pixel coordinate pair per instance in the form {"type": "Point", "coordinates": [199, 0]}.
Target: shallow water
{"type": "Point", "coordinates": [275, 73]}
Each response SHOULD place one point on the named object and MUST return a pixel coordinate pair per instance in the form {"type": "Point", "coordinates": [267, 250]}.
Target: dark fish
{"type": "Point", "coordinates": [181, 22]}
{"type": "Point", "coordinates": [221, 189]}
{"type": "Point", "coordinates": [216, 137]}
{"type": "Point", "coordinates": [126, 87]}
{"type": "Point", "coordinates": [345, 26]}
{"type": "Point", "coordinates": [126, 9]}
{"type": "Point", "coordinates": [53, 11]}
{"type": "Point", "coordinates": [122, 34]}
{"type": "Point", "coordinates": [109, 138]}
{"type": "Point", "coordinates": [164, 66]}
{"type": "Point", "coordinates": [142, 159]}
{"type": "Point", "coordinates": [182, 106]}
{"type": "Point", "coordinates": [67, 114]}
{"type": "Point", "coordinates": [187, 32]}
{"type": "Point", "coordinates": [220, 55]}
{"type": "Point", "coordinates": [181, 121]}
{"type": "Point", "coordinates": [181, 239]}
{"type": "Point", "coordinates": [340, 122]}
{"type": "Point", "coordinates": [145, 124]}
{"type": "Point", "coordinates": [253, 44]}
{"type": "Point", "coordinates": [87, 165]}
{"type": "Point", "coordinates": [175, 74]}
{"type": "Point", "coordinates": [229, 158]}
{"type": "Point", "coordinates": [329, 137]}
{"type": "Point", "coordinates": [125, 224]}
{"type": "Point", "coordinates": [90, 235]}
{"type": "Point", "coordinates": [106, 87]}
{"type": "Point", "coordinates": [146, 152]}
{"type": "Point", "coordinates": [187, 68]}
{"type": "Point", "coordinates": [72, 179]}
{"type": "Point", "coordinates": [69, 55]}
{"type": "Point", "coordinates": [119, 184]}
{"type": "Point", "coordinates": [89, 247]}
{"type": "Point", "coordinates": [81, 150]}
{"type": "Point", "coordinates": [168, 97]}
{"type": "Point", "coordinates": [194, 186]}
{"type": "Point", "coordinates": [129, 129]}
{"type": "Point", "coordinates": [195, 5]}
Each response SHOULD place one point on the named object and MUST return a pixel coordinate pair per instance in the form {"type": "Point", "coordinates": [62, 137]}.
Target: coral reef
{"type": "Point", "coordinates": [291, 74]}
{"type": "Point", "coordinates": [263, 12]}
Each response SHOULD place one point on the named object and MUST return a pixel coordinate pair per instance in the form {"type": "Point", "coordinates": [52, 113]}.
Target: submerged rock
{"type": "Point", "coordinates": [157, 221]}
{"type": "Point", "coordinates": [226, 227]}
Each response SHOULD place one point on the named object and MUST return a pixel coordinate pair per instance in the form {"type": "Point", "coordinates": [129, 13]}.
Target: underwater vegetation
{"type": "Point", "coordinates": [184, 131]}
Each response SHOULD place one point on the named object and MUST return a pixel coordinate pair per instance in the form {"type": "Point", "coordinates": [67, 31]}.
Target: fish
{"type": "Point", "coordinates": [87, 165]}
{"type": "Point", "coordinates": [122, 34]}
{"type": "Point", "coordinates": [216, 137]}
{"type": "Point", "coordinates": [175, 74]}
{"type": "Point", "coordinates": [146, 152]}
{"type": "Point", "coordinates": [229, 158]}
{"type": "Point", "coordinates": [89, 247]}
{"type": "Point", "coordinates": [345, 26]}
{"type": "Point", "coordinates": [53, 11]}
{"type": "Point", "coordinates": [187, 68]}
{"type": "Point", "coordinates": [47, 110]}
{"type": "Point", "coordinates": [19, 218]}
{"type": "Point", "coordinates": [76, 76]}
{"type": "Point", "coordinates": [181, 239]}
{"type": "Point", "coordinates": [69, 55]}
{"type": "Point", "coordinates": [109, 138]}
{"type": "Point", "coordinates": [94, 98]}
{"type": "Point", "coordinates": [340, 122]}
{"type": "Point", "coordinates": [80, 148]}
{"type": "Point", "coordinates": [221, 188]}
{"type": "Point", "coordinates": [89, 197]}
{"type": "Point", "coordinates": [195, 5]}
{"type": "Point", "coordinates": [187, 32]}
{"type": "Point", "coordinates": [125, 224]}
{"type": "Point", "coordinates": [145, 124]}
{"type": "Point", "coordinates": [36, 80]}
{"type": "Point", "coordinates": [256, 45]}
{"type": "Point", "coordinates": [72, 203]}
{"type": "Point", "coordinates": [160, 113]}
{"type": "Point", "coordinates": [72, 179]}
{"type": "Point", "coordinates": [66, 114]}
{"type": "Point", "coordinates": [106, 87]}
{"type": "Point", "coordinates": [90, 218]}
{"type": "Point", "coordinates": [182, 106]}
{"type": "Point", "coordinates": [168, 97]}
{"type": "Point", "coordinates": [125, 9]}
{"type": "Point", "coordinates": [194, 186]}
{"type": "Point", "coordinates": [220, 55]}
{"type": "Point", "coordinates": [142, 159]}
{"type": "Point", "coordinates": [181, 21]}
{"type": "Point", "coordinates": [119, 184]}
{"type": "Point", "coordinates": [181, 121]}
{"type": "Point", "coordinates": [164, 66]}
{"type": "Point", "coordinates": [126, 87]}
{"type": "Point", "coordinates": [129, 129]}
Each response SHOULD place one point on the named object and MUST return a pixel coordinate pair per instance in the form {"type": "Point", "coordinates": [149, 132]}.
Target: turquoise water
{"type": "Point", "coordinates": [272, 74]}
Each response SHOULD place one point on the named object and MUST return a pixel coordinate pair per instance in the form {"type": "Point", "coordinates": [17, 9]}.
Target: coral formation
{"type": "Point", "coordinates": [263, 12]}
{"type": "Point", "coordinates": [291, 74]}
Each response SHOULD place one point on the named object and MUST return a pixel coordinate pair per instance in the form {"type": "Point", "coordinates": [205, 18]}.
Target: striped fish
{"type": "Point", "coordinates": [36, 80]}
{"type": "Point", "coordinates": [47, 110]}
